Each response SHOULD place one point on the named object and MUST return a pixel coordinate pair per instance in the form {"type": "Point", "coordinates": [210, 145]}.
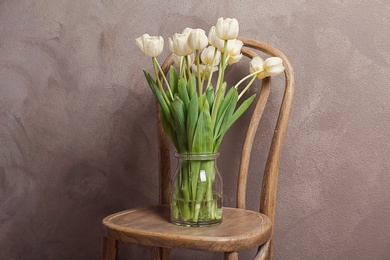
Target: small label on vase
{"type": "Point", "coordinates": [202, 175]}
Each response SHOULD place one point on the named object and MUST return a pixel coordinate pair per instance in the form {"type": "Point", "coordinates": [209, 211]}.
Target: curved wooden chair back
{"type": "Point", "coordinates": [270, 177]}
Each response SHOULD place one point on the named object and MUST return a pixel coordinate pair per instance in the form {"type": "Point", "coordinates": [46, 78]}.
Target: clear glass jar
{"type": "Point", "coordinates": [196, 191]}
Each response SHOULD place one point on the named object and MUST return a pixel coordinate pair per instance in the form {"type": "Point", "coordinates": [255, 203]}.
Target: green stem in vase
{"type": "Point", "coordinates": [184, 190]}
{"type": "Point", "coordinates": [204, 188]}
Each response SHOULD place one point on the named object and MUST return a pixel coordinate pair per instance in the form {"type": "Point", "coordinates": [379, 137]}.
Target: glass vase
{"type": "Point", "coordinates": [196, 191]}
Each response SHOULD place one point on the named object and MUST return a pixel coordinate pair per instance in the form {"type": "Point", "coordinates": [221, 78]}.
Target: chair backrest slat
{"type": "Point", "coordinates": [164, 154]}
{"type": "Point", "coordinates": [271, 172]}
{"type": "Point", "coordinates": [250, 134]}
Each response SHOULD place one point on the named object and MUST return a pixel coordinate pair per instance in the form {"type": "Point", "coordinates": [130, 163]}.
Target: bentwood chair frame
{"type": "Point", "coordinates": [156, 231]}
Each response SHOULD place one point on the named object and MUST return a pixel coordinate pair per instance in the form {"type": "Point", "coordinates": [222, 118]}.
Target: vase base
{"type": "Point", "coordinates": [200, 223]}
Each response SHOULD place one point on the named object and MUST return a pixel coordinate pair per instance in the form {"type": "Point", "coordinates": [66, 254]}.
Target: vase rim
{"type": "Point", "coordinates": [199, 156]}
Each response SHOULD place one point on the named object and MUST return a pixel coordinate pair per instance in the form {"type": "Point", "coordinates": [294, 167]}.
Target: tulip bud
{"type": "Point", "coordinates": [226, 29]}
{"type": "Point", "coordinates": [151, 46]}
{"type": "Point", "coordinates": [197, 39]}
{"type": "Point", "coordinates": [207, 56]}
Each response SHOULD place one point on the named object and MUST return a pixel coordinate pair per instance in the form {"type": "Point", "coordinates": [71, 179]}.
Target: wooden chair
{"type": "Point", "coordinates": [240, 229]}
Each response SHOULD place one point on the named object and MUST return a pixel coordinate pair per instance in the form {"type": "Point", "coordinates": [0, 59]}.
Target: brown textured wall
{"type": "Point", "coordinates": [77, 127]}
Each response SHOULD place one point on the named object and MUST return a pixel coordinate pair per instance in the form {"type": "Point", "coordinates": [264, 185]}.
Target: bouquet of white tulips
{"type": "Point", "coordinates": [195, 113]}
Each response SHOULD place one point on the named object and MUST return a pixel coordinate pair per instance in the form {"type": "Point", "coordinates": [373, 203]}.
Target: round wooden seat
{"type": "Point", "coordinates": [240, 229]}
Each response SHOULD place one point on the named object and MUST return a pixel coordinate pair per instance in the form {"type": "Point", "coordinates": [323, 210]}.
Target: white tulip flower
{"type": "Point", "coordinates": [234, 59]}
{"type": "Point", "coordinates": [151, 46]}
{"type": "Point", "coordinates": [215, 41]}
{"type": "Point", "coordinates": [207, 56]}
{"type": "Point", "coordinates": [273, 66]}
{"type": "Point", "coordinates": [233, 50]}
{"type": "Point", "coordinates": [226, 29]}
{"type": "Point", "coordinates": [204, 70]}
{"type": "Point", "coordinates": [179, 46]}
{"type": "Point", "coordinates": [187, 31]}
{"type": "Point", "coordinates": [234, 47]}
{"type": "Point", "coordinates": [257, 65]}
{"type": "Point", "coordinates": [197, 39]}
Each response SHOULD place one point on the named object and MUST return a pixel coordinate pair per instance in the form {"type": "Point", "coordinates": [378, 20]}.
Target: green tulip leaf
{"type": "Point", "coordinates": [192, 118]}
{"type": "Point", "coordinates": [227, 117]}
{"type": "Point", "coordinates": [240, 111]}
{"type": "Point", "coordinates": [173, 80]}
{"type": "Point", "coordinates": [169, 130]}
{"type": "Point", "coordinates": [179, 114]}
{"type": "Point", "coordinates": [191, 85]}
{"type": "Point", "coordinates": [182, 91]}
{"type": "Point", "coordinates": [217, 102]}
{"type": "Point", "coordinates": [162, 102]}
{"type": "Point", "coordinates": [203, 137]}
{"type": "Point", "coordinates": [225, 112]}
{"type": "Point", "coordinates": [210, 95]}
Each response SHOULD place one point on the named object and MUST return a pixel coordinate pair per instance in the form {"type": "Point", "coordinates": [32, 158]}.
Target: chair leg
{"type": "Point", "coordinates": [231, 256]}
{"type": "Point", "coordinates": [270, 250]}
{"type": "Point", "coordinates": [109, 249]}
{"type": "Point", "coordinates": [165, 253]}
{"type": "Point", "coordinates": [263, 252]}
{"type": "Point", "coordinates": [155, 253]}
{"type": "Point", "coordinates": [159, 253]}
